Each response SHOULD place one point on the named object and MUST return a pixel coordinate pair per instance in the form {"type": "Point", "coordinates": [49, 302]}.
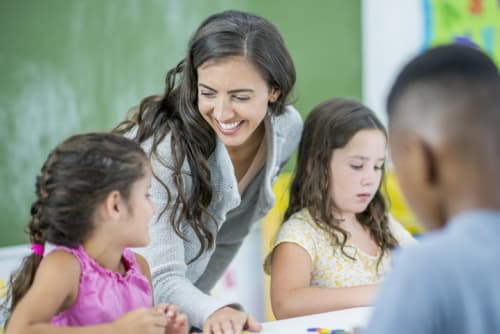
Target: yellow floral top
{"type": "Point", "coordinates": [330, 267]}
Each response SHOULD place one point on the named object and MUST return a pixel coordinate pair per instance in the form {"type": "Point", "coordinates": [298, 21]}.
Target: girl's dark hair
{"type": "Point", "coordinates": [77, 176]}
{"type": "Point", "coordinates": [227, 34]}
{"type": "Point", "coordinates": [330, 126]}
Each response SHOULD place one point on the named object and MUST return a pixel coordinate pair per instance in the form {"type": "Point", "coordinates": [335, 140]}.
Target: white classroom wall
{"type": "Point", "coordinates": [392, 33]}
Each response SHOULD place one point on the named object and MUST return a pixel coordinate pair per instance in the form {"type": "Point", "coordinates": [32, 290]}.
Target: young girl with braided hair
{"type": "Point", "coordinates": [92, 204]}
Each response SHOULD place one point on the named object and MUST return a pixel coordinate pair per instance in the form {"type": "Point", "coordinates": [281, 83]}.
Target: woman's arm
{"type": "Point", "coordinates": [168, 253]}
{"type": "Point", "coordinates": [167, 258]}
{"type": "Point", "coordinates": [291, 294]}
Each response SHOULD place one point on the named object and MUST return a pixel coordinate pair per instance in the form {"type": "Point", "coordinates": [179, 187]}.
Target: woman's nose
{"type": "Point", "coordinates": [222, 110]}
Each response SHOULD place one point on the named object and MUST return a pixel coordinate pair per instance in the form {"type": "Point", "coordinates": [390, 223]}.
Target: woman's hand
{"type": "Point", "coordinates": [227, 320]}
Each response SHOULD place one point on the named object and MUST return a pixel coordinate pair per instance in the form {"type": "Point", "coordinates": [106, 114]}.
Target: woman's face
{"type": "Point", "coordinates": [233, 98]}
{"type": "Point", "coordinates": [356, 171]}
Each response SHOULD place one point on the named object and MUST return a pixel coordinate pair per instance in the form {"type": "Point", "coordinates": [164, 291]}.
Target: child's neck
{"type": "Point", "coordinates": [469, 186]}
{"type": "Point", "coordinates": [357, 234]}
{"type": "Point", "coordinates": [345, 219]}
{"type": "Point", "coordinates": [105, 254]}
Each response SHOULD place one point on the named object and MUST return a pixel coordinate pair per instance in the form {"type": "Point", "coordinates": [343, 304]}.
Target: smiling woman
{"type": "Point", "coordinates": [217, 138]}
{"type": "Point", "coordinates": [235, 108]}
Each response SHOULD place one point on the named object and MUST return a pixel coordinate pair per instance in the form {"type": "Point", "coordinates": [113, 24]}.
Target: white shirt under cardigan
{"type": "Point", "coordinates": [188, 285]}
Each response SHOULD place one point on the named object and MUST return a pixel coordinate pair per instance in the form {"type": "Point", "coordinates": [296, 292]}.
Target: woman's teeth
{"type": "Point", "coordinates": [229, 126]}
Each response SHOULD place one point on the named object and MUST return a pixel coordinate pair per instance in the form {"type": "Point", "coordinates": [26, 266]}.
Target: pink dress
{"type": "Point", "coordinates": [104, 295]}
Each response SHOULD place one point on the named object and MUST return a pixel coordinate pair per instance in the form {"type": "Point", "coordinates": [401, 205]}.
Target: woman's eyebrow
{"type": "Point", "coordinates": [232, 91]}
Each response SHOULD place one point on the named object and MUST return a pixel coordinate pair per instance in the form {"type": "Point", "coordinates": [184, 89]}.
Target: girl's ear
{"type": "Point", "coordinates": [113, 205]}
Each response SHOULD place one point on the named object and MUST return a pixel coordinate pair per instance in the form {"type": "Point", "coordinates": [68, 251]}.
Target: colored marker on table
{"type": "Point", "coordinates": [320, 330]}
{"type": "Point", "coordinates": [198, 331]}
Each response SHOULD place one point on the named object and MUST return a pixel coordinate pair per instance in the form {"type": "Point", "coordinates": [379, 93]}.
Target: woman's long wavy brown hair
{"type": "Point", "coordinates": [77, 175]}
{"type": "Point", "coordinates": [330, 126]}
{"type": "Point", "coordinates": [222, 35]}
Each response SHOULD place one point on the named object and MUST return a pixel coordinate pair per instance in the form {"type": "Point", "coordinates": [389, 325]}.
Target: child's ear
{"type": "Point", "coordinates": [428, 161]}
{"type": "Point", "coordinates": [113, 205]}
{"type": "Point", "coordinates": [432, 174]}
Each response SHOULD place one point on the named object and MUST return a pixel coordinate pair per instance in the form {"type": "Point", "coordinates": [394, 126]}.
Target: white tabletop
{"type": "Point", "coordinates": [344, 319]}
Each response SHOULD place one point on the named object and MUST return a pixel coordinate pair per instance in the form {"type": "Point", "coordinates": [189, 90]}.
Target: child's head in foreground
{"type": "Point", "coordinates": [444, 118]}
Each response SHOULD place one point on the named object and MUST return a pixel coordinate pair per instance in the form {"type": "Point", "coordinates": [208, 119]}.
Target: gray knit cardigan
{"type": "Point", "coordinates": [188, 285]}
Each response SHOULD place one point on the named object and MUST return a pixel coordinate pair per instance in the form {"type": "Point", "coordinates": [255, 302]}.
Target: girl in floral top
{"type": "Point", "coordinates": [335, 244]}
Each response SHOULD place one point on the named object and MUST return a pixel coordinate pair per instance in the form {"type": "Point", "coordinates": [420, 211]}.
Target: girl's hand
{"type": "Point", "coordinates": [177, 322]}
{"type": "Point", "coordinates": [143, 320]}
{"type": "Point", "coordinates": [230, 321]}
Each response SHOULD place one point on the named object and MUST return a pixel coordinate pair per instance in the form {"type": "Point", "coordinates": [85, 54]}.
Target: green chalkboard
{"type": "Point", "coordinates": [73, 66]}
